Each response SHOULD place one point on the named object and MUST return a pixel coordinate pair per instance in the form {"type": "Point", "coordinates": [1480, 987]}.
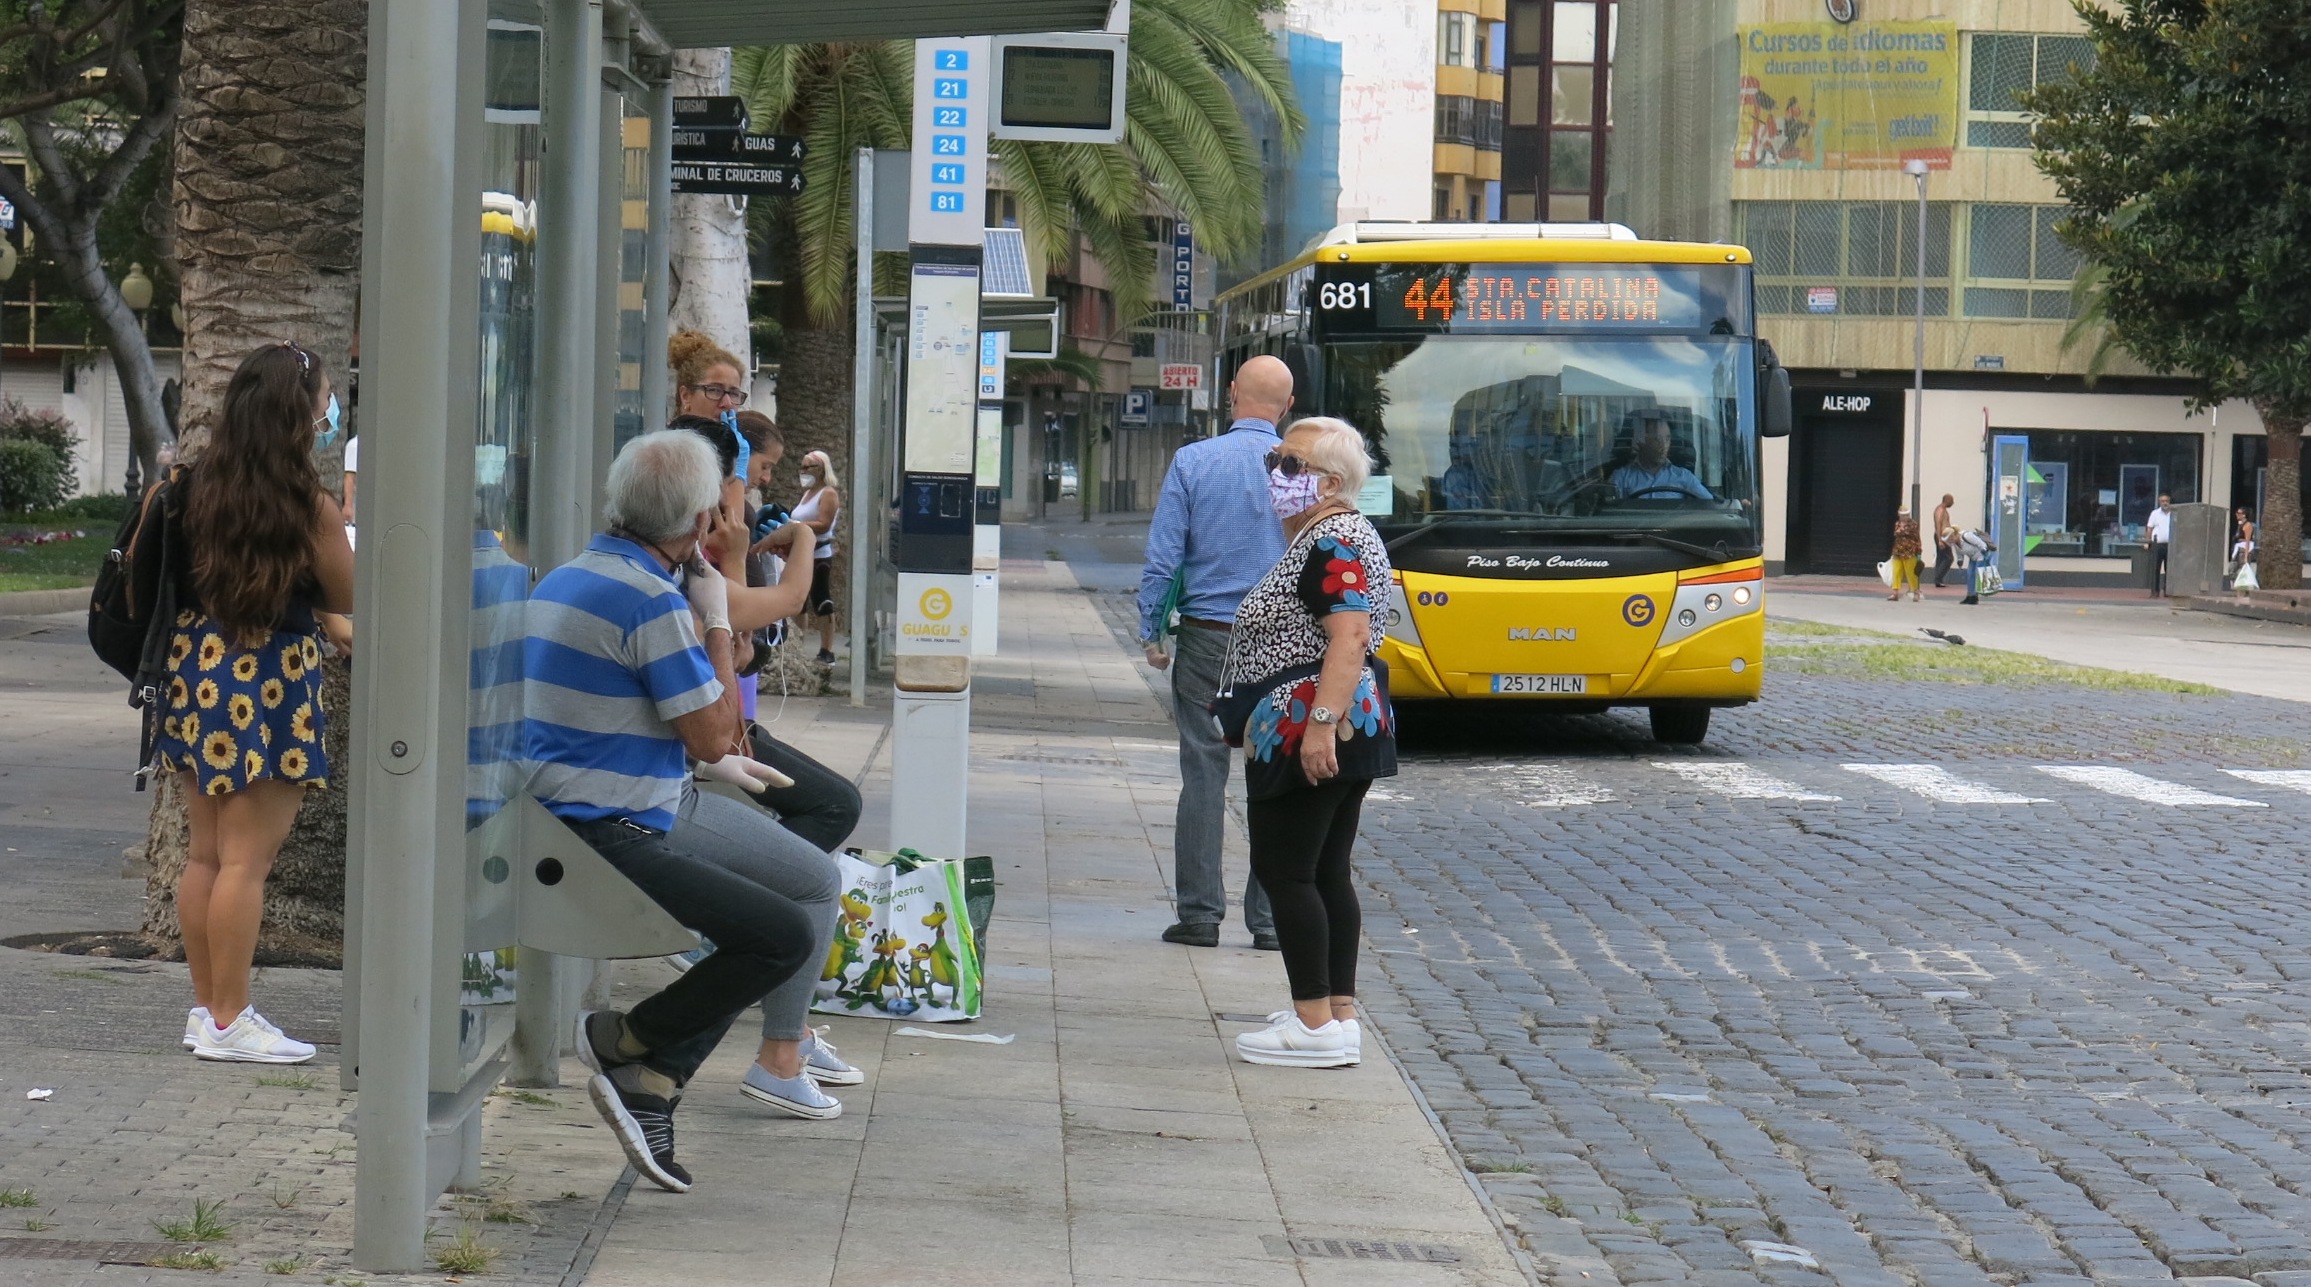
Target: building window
{"type": "Point", "coordinates": [1456, 39]}
{"type": "Point", "coordinates": [2089, 494]}
{"type": "Point", "coordinates": [1492, 46]}
{"type": "Point", "coordinates": [1488, 126]}
{"type": "Point", "coordinates": [1857, 258]}
{"type": "Point", "coordinates": [1455, 119]}
{"type": "Point", "coordinates": [1444, 203]}
{"type": "Point", "coordinates": [1556, 82]}
{"type": "Point", "coordinates": [2015, 265]}
{"type": "Point", "coordinates": [2002, 66]}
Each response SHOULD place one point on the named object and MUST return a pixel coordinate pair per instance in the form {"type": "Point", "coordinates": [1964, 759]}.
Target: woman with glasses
{"type": "Point", "coordinates": [1319, 730]}
{"type": "Point", "coordinates": [708, 380]}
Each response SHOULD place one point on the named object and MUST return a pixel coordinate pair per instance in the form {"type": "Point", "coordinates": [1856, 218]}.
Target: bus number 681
{"type": "Point", "coordinates": [1337, 295]}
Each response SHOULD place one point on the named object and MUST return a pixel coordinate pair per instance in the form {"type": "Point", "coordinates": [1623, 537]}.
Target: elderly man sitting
{"type": "Point", "coordinates": [621, 686]}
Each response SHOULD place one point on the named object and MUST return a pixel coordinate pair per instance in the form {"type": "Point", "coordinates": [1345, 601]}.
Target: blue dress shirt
{"type": "Point", "coordinates": [1214, 520]}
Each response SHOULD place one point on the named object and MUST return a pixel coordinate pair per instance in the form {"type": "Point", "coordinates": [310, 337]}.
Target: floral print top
{"type": "Point", "coordinates": [1336, 564]}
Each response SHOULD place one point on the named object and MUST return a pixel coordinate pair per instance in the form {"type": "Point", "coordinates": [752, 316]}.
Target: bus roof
{"type": "Point", "coordinates": [1581, 243]}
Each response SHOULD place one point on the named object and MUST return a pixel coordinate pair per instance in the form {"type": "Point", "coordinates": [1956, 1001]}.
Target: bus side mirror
{"type": "Point", "coordinates": [1774, 416]}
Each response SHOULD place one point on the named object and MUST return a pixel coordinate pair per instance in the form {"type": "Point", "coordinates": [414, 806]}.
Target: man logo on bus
{"type": "Point", "coordinates": [1637, 610]}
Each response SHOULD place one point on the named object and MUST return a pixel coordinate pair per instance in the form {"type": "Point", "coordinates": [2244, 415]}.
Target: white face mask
{"type": "Point", "coordinates": [1295, 495]}
{"type": "Point", "coordinates": [810, 480]}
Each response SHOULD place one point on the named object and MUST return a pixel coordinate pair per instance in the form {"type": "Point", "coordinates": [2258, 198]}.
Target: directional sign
{"type": "Point", "coordinates": [738, 178]}
{"type": "Point", "coordinates": [723, 111]}
{"type": "Point", "coordinates": [697, 143]}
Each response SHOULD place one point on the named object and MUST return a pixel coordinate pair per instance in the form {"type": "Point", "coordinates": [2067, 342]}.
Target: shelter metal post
{"type": "Point", "coordinates": [562, 470]}
{"type": "Point", "coordinates": [657, 265]}
{"type": "Point", "coordinates": [407, 762]}
{"type": "Point", "coordinates": [862, 417]}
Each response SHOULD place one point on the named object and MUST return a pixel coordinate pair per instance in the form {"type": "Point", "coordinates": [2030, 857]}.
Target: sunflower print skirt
{"type": "Point", "coordinates": [235, 715]}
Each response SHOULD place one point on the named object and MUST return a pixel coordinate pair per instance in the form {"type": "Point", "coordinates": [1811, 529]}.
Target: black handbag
{"type": "Point", "coordinates": [1234, 703]}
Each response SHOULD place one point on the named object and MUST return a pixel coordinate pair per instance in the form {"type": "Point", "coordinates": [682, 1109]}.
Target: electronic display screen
{"type": "Point", "coordinates": [1048, 85]}
{"type": "Point", "coordinates": [1513, 298]}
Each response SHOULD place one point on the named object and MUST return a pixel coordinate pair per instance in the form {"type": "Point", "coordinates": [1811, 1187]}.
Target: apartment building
{"type": "Point", "coordinates": [1785, 125]}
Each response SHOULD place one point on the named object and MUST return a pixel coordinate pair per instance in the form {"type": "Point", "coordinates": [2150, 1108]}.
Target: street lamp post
{"type": "Point", "coordinates": [136, 292]}
{"type": "Point", "coordinates": [1916, 169]}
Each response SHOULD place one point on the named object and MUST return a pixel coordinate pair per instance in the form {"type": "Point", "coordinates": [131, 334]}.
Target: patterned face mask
{"type": "Point", "coordinates": [1292, 495]}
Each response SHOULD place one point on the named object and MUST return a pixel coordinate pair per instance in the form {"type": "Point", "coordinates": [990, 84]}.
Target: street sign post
{"type": "Point", "coordinates": [715, 111]}
{"type": "Point", "coordinates": [738, 178]}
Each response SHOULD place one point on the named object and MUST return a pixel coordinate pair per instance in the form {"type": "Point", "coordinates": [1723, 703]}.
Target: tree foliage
{"type": "Point", "coordinates": [2185, 154]}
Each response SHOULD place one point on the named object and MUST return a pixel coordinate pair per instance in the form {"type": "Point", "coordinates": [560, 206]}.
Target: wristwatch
{"type": "Point", "coordinates": [1322, 715]}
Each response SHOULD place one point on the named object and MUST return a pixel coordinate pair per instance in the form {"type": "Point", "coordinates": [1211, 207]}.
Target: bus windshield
{"type": "Point", "coordinates": [1554, 438]}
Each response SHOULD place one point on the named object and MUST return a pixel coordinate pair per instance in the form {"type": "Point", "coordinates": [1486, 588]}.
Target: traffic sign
{"type": "Point", "coordinates": [718, 111]}
{"type": "Point", "coordinates": [702, 143]}
{"type": "Point", "coordinates": [1135, 407]}
{"type": "Point", "coordinates": [738, 178]}
{"type": "Point", "coordinates": [1182, 375]}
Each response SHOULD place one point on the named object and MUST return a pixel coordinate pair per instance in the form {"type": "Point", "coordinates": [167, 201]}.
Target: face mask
{"type": "Point", "coordinates": [335, 418]}
{"type": "Point", "coordinates": [1292, 496]}
{"type": "Point", "coordinates": [810, 480]}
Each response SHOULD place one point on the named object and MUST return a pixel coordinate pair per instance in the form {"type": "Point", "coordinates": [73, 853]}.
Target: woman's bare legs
{"type": "Point", "coordinates": [221, 897]}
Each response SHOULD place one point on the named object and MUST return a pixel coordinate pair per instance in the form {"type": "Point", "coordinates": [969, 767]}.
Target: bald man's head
{"type": "Point", "coordinates": [1262, 390]}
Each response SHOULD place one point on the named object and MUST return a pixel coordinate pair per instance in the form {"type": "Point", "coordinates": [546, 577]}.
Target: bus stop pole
{"type": "Point", "coordinates": [420, 322]}
{"type": "Point", "coordinates": [657, 264]}
{"type": "Point", "coordinates": [562, 468]}
{"type": "Point", "coordinates": [862, 417]}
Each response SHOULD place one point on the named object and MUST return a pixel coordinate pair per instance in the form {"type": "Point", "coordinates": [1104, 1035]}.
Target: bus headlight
{"type": "Point", "coordinates": [1686, 617]}
{"type": "Point", "coordinates": [1741, 595]}
{"type": "Point", "coordinates": [1713, 602]}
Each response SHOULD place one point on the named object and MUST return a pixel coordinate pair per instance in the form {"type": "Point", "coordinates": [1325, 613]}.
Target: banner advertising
{"type": "Point", "coordinates": [1858, 96]}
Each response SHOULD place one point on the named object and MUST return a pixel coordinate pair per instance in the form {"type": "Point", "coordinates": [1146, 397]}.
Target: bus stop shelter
{"type": "Point", "coordinates": [513, 329]}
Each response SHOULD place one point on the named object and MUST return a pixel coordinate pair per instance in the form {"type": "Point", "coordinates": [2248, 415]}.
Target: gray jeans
{"type": "Point", "coordinates": [1202, 897]}
{"type": "Point", "coordinates": [727, 834]}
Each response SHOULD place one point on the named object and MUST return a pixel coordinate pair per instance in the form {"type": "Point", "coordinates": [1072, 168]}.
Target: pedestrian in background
{"type": "Point", "coordinates": [1905, 555]}
{"type": "Point", "coordinates": [1320, 731]}
{"type": "Point", "coordinates": [244, 714]}
{"type": "Point", "coordinates": [2158, 530]}
{"type": "Point", "coordinates": [821, 507]}
{"type": "Point", "coordinates": [1973, 554]}
{"type": "Point", "coordinates": [2243, 573]}
{"type": "Point", "coordinates": [1945, 540]}
{"type": "Point", "coordinates": [1215, 533]}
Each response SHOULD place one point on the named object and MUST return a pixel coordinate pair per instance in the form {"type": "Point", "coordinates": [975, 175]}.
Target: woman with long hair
{"type": "Point", "coordinates": [244, 714]}
{"type": "Point", "coordinates": [708, 381]}
{"type": "Point", "coordinates": [820, 507]}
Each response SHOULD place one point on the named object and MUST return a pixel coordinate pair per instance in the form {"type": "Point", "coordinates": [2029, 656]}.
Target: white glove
{"type": "Point", "coordinates": [709, 594]}
{"type": "Point", "coordinates": [748, 775]}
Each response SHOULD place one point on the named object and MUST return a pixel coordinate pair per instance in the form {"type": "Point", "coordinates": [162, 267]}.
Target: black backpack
{"type": "Point", "coordinates": [134, 603]}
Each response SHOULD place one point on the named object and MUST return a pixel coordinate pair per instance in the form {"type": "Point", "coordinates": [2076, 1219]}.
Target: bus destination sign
{"type": "Point", "coordinates": [1507, 298]}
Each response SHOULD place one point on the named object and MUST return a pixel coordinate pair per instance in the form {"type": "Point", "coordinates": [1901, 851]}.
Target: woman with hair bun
{"type": "Point", "coordinates": [709, 382]}
{"type": "Point", "coordinates": [243, 711]}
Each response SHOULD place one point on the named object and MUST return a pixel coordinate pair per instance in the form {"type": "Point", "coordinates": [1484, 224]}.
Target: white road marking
{"type": "Point", "coordinates": [1549, 786]}
{"type": "Point", "coordinates": [2139, 786]}
{"type": "Point", "coordinates": [2292, 779]}
{"type": "Point", "coordinates": [1937, 783]}
{"type": "Point", "coordinates": [1739, 781]}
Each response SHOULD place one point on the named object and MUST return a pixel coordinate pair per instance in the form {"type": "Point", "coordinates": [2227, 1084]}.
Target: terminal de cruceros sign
{"type": "Point", "coordinates": [1847, 95]}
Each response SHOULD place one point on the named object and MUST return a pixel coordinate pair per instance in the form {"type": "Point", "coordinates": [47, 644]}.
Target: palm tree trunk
{"type": "Point", "coordinates": [2279, 541]}
{"type": "Point", "coordinates": [268, 218]}
{"type": "Point", "coordinates": [713, 276]}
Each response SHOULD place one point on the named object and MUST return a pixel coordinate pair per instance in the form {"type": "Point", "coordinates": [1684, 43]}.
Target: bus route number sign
{"type": "Point", "coordinates": [1510, 298]}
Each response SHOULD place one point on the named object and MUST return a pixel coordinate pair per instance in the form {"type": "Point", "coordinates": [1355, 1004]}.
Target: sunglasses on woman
{"type": "Point", "coordinates": [1289, 466]}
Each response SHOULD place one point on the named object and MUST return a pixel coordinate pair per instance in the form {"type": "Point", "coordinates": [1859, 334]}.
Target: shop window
{"type": "Point", "coordinates": [2000, 67]}
{"type": "Point", "coordinates": [1856, 258]}
{"type": "Point", "coordinates": [2089, 494]}
{"type": "Point", "coordinates": [2015, 264]}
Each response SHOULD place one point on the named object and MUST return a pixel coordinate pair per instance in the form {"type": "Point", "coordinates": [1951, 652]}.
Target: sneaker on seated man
{"type": "Point", "coordinates": [622, 685]}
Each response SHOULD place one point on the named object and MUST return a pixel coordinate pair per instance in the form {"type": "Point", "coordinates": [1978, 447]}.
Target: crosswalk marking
{"type": "Point", "coordinates": [2292, 779]}
{"type": "Point", "coordinates": [1738, 781]}
{"type": "Point", "coordinates": [2139, 786]}
{"type": "Point", "coordinates": [1550, 786]}
{"type": "Point", "coordinates": [1937, 783]}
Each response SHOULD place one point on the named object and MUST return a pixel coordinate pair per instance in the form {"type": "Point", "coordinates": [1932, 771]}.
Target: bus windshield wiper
{"type": "Point", "coordinates": [1431, 524]}
{"type": "Point", "coordinates": [1717, 553]}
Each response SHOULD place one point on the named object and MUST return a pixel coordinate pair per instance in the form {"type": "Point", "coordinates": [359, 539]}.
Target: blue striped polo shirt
{"type": "Point", "coordinates": [610, 659]}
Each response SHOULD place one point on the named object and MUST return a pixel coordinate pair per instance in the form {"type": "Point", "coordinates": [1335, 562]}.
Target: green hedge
{"type": "Point", "coordinates": [33, 475]}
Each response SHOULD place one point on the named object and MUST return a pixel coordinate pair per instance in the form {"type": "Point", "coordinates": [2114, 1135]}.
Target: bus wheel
{"type": "Point", "coordinates": [1679, 723]}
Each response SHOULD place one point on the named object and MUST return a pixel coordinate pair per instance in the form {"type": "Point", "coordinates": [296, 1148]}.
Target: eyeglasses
{"type": "Point", "coordinates": [1290, 466]}
{"type": "Point", "coordinates": [721, 392]}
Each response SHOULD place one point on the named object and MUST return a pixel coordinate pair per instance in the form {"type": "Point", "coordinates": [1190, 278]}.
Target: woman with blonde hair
{"type": "Point", "coordinates": [821, 507]}
{"type": "Point", "coordinates": [243, 712]}
{"type": "Point", "coordinates": [1303, 677]}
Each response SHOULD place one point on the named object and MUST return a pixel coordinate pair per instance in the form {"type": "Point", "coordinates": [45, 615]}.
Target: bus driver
{"type": "Point", "coordinates": [1651, 474]}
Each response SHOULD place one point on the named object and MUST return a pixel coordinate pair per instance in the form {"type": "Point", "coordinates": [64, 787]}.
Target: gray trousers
{"type": "Point", "coordinates": [727, 834]}
{"type": "Point", "coordinates": [1202, 896]}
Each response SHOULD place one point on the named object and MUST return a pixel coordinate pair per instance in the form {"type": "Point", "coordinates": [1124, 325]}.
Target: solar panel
{"type": "Point", "coordinates": [1004, 272]}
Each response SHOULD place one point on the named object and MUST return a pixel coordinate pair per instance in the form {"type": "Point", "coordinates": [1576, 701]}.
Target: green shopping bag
{"type": "Point", "coordinates": [908, 937]}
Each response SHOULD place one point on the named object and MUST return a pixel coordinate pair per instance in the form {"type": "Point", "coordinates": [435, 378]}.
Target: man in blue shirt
{"type": "Point", "coordinates": [1651, 476]}
{"type": "Point", "coordinates": [1216, 531]}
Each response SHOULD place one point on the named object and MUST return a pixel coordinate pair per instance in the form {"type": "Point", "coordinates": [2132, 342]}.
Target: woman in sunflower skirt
{"type": "Point", "coordinates": [1320, 732]}
{"type": "Point", "coordinates": [242, 714]}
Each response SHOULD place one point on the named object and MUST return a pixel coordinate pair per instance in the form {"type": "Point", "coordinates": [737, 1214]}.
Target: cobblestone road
{"type": "Point", "coordinates": [1710, 1015]}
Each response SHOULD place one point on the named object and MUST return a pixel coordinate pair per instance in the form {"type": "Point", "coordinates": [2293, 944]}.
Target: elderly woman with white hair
{"type": "Point", "coordinates": [1307, 698]}
{"type": "Point", "coordinates": [820, 507]}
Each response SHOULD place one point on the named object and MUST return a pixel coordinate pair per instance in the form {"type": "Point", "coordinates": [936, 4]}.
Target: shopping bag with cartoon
{"type": "Point", "coordinates": [907, 937]}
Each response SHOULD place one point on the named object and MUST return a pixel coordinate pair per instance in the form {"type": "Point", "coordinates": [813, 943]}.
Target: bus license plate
{"type": "Point", "coordinates": [1554, 685]}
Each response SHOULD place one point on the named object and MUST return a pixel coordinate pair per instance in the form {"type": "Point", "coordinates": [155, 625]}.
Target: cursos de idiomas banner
{"type": "Point", "coordinates": [1854, 96]}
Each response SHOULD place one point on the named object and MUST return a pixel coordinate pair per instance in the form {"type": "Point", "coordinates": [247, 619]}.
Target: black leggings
{"type": "Point", "coordinates": [1300, 847]}
{"type": "Point", "coordinates": [822, 806]}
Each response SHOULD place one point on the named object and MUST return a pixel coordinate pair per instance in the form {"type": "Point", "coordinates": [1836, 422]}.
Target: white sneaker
{"type": "Point", "coordinates": [249, 1040]}
{"type": "Point", "coordinates": [1354, 1029]}
{"type": "Point", "coordinates": [194, 1018]}
{"type": "Point", "coordinates": [1293, 1044]}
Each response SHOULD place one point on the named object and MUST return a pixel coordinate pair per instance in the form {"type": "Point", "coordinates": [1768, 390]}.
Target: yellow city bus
{"type": "Point", "coordinates": [1564, 422]}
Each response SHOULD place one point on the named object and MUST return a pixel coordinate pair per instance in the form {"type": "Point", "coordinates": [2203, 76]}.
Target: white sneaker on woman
{"type": "Point", "coordinates": [249, 1039]}
{"type": "Point", "coordinates": [1293, 1044]}
{"type": "Point", "coordinates": [1354, 1029]}
{"type": "Point", "coordinates": [194, 1018]}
